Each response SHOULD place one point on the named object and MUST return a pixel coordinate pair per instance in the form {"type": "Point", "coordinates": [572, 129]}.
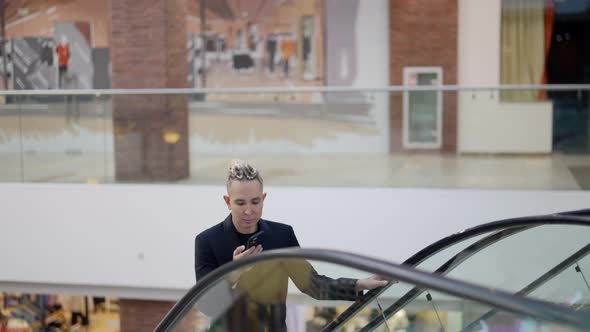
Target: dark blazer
{"type": "Point", "coordinates": [215, 246]}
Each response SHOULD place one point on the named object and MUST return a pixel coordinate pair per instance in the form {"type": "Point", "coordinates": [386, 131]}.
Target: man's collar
{"type": "Point", "coordinates": [229, 227]}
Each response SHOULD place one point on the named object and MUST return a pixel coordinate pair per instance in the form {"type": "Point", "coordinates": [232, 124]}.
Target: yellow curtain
{"type": "Point", "coordinates": [522, 47]}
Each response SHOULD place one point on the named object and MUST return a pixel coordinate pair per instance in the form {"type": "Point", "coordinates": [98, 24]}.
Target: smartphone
{"type": "Point", "coordinates": [254, 240]}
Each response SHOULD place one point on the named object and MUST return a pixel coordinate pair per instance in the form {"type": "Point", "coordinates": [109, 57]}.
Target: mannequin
{"type": "Point", "coordinates": [271, 48]}
{"type": "Point", "coordinates": [63, 58]}
{"type": "Point", "coordinates": [287, 51]}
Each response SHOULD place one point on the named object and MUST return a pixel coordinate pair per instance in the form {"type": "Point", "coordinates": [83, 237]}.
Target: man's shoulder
{"type": "Point", "coordinates": [280, 235]}
{"type": "Point", "coordinates": [277, 226]}
{"type": "Point", "coordinates": [211, 232]}
{"type": "Point", "coordinates": [218, 229]}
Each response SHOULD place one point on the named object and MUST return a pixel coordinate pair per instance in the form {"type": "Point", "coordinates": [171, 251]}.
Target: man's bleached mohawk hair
{"type": "Point", "coordinates": [242, 171]}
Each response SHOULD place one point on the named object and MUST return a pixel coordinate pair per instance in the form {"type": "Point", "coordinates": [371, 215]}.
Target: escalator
{"type": "Point", "coordinates": [544, 257]}
{"type": "Point", "coordinates": [543, 260]}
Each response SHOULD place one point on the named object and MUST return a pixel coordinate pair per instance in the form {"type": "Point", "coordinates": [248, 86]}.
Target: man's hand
{"type": "Point", "coordinates": [239, 252]}
{"type": "Point", "coordinates": [369, 283]}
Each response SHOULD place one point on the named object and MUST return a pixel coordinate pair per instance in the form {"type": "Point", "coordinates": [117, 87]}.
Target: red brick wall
{"type": "Point", "coordinates": [142, 315]}
{"type": "Point", "coordinates": [423, 33]}
{"type": "Point", "coordinates": [148, 50]}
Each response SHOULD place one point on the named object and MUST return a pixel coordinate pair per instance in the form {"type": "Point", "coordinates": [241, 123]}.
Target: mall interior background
{"type": "Point", "coordinates": [78, 170]}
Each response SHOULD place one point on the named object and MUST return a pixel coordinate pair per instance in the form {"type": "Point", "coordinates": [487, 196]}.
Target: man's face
{"type": "Point", "coordinates": [245, 200]}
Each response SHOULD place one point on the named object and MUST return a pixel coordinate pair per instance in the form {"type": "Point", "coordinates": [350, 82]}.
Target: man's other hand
{"type": "Point", "coordinates": [369, 283]}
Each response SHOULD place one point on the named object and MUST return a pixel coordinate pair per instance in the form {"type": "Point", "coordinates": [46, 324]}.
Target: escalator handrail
{"type": "Point", "coordinates": [565, 218]}
{"type": "Point", "coordinates": [579, 213]}
{"type": "Point", "coordinates": [427, 252]}
{"type": "Point", "coordinates": [495, 298]}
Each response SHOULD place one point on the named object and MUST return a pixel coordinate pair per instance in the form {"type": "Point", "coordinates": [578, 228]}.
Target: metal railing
{"type": "Point", "coordinates": [392, 88]}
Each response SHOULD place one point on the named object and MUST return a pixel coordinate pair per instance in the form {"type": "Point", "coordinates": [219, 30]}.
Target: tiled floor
{"type": "Point", "coordinates": [552, 172]}
{"type": "Point", "coordinates": [222, 75]}
{"type": "Point", "coordinates": [407, 170]}
{"type": "Point", "coordinates": [70, 148]}
{"type": "Point", "coordinates": [100, 321]}
{"type": "Point", "coordinates": [104, 322]}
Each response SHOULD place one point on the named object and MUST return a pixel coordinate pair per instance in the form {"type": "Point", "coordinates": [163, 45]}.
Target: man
{"type": "Point", "coordinates": [227, 240]}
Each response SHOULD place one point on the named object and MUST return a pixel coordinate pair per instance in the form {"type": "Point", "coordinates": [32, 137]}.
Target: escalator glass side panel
{"type": "Point", "coordinates": [295, 294]}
